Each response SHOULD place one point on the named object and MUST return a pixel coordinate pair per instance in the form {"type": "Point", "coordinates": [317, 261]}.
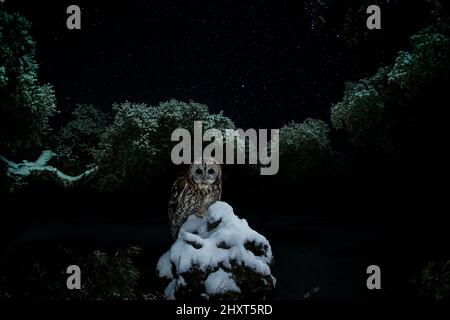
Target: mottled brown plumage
{"type": "Point", "coordinates": [193, 193]}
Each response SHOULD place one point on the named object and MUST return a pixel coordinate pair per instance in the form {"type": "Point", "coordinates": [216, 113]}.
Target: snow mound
{"type": "Point", "coordinates": [219, 257]}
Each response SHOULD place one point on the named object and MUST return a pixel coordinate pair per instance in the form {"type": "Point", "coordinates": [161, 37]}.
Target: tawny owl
{"type": "Point", "coordinates": [193, 192]}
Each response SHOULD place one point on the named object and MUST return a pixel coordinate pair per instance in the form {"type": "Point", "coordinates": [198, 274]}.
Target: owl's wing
{"type": "Point", "coordinates": [218, 190]}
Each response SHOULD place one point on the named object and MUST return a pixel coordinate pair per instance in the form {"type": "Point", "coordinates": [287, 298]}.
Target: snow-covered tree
{"type": "Point", "coordinates": [135, 149]}
{"type": "Point", "coordinates": [397, 112]}
{"type": "Point", "coordinates": [362, 112]}
{"type": "Point", "coordinates": [25, 104]}
{"type": "Point", "coordinates": [78, 140]}
{"type": "Point", "coordinates": [304, 149]}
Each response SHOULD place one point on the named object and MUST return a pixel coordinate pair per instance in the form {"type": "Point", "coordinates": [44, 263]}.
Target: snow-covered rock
{"type": "Point", "coordinates": [218, 257]}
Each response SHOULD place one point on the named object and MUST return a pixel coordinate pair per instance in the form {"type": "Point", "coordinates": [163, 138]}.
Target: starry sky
{"type": "Point", "coordinates": [264, 63]}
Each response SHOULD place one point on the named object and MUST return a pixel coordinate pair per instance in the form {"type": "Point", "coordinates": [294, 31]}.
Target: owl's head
{"type": "Point", "coordinates": [205, 172]}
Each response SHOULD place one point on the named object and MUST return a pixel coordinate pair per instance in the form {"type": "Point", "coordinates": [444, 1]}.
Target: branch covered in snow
{"type": "Point", "coordinates": [219, 257]}
{"type": "Point", "coordinates": [22, 173]}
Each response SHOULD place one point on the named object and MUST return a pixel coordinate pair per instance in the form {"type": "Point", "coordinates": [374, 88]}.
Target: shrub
{"type": "Point", "coordinates": [105, 275]}
{"type": "Point", "coordinates": [79, 139]}
{"type": "Point", "coordinates": [362, 112]}
{"type": "Point", "coordinates": [435, 280]}
{"type": "Point", "coordinates": [135, 149]}
{"type": "Point", "coordinates": [390, 113]}
{"type": "Point", "coordinates": [304, 149]}
{"type": "Point", "coordinates": [25, 105]}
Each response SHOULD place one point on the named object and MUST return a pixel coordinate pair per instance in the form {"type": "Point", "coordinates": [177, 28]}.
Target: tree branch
{"type": "Point", "coordinates": [22, 173]}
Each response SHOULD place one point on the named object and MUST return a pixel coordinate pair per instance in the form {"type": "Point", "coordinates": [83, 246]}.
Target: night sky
{"type": "Point", "coordinates": [262, 63]}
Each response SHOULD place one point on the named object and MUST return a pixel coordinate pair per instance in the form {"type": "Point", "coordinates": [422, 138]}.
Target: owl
{"type": "Point", "coordinates": [193, 192]}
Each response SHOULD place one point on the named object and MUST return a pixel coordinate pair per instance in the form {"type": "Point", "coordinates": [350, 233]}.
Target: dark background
{"type": "Point", "coordinates": [264, 64]}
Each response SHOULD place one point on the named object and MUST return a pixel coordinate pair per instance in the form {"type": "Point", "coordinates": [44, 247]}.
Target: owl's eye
{"type": "Point", "coordinates": [210, 171]}
{"type": "Point", "coordinates": [198, 171]}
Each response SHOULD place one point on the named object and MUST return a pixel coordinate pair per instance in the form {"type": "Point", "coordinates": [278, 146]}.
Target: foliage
{"type": "Point", "coordinates": [382, 113]}
{"type": "Point", "coordinates": [136, 147]}
{"type": "Point", "coordinates": [105, 276]}
{"type": "Point", "coordinates": [362, 112]}
{"type": "Point", "coordinates": [25, 105]}
{"type": "Point", "coordinates": [435, 280]}
{"type": "Point", "coordinates": [416, 70]}
{"type": "Point", "coordinates": [304, 149]}
{"type": "Point", "coordinates": [347, 17]}
{"type": "Point", "coordinates": [79, 139]}
{"type": "Point", "coordinates": [109, 277]}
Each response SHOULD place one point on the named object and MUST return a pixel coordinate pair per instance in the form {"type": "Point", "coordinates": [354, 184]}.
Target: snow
{"type": "Point", "coordinates": [217, 241]}
{"type": "Point", "coordinates": [219, 282]}
{"type": "Point", "coordinates": [170, 290]}
{"type": "Point", "coordinates": [164, 268]}
{"type": "Point", "coordinates": [44, 158]}
{"type": "Point", "coordinates": [22, 170]}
